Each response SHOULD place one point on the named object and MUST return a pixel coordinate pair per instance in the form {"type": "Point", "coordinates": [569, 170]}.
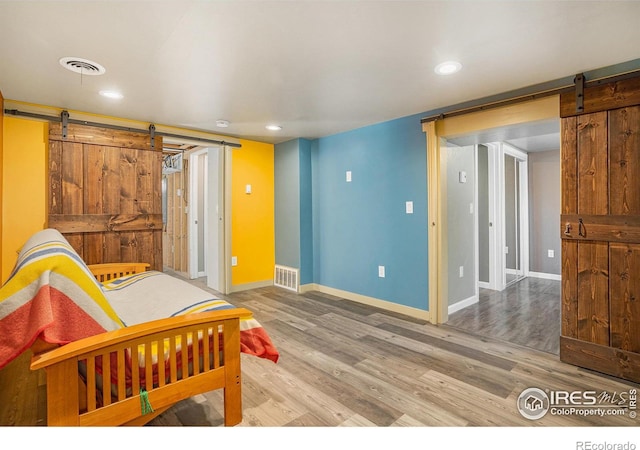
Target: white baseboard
{"type": "Point", "coordinates": [371, 301]}
{"type": "Point", "coordinates": [463, 304]}
{"type": "Point", "coordinates": [484, 285]}
{"type": "Point", "coordinates": [513, 272]}
{"type": "Point", "coordinates": [546, 276]}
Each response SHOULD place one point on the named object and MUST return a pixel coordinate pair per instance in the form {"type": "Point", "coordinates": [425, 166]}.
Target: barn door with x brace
{"type": "Point", "coordinates": [600, 227]}
{"type": "Point", "coordinates": [105, 193]}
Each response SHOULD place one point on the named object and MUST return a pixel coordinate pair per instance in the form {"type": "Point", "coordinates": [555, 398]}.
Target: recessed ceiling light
{"type": "Point", "coordinates": [82, 66]}
{"type": "Point", "coordinates": [222, 123]}
{"type": "Point", "coordinates": [273, 127]}
{"type": "Point", "coordinates": [112, 94]}
{"type": "Point", "coordinates": [448, 67]}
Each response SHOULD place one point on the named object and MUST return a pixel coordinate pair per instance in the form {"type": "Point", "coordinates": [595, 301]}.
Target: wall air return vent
{"type": "Point", "coordinates": [286, 277]}
{"type": "Point", "coordinates": [82, 66]}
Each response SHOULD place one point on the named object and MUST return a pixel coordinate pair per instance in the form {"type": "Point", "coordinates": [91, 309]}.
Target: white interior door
{"type": "Point", "coordinates": [515, 215]}
{"type": "Point", "coordinates": [197, 213]}
{"type": "Point", "coordinates": [215, 220]}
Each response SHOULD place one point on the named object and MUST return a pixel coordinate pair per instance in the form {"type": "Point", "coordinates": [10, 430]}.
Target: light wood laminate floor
{"type": "Point", "coordinates": [525, 313]}
{"type": "Point", "coordinates": [347, 364]}
{"type": "Point", "coordinates": [351, 365]}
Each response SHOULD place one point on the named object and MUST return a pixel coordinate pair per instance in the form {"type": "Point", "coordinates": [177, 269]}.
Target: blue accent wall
{"type": "Point", "coordinates": [360, 225]}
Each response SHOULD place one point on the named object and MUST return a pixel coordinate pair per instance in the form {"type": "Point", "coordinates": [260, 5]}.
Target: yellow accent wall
{"type": "Point", "coordinates": [1, 146]}
{"type": "Point", "coordinates": [252, 215]}
{"type": "Point", "coordinates": [24, 185]}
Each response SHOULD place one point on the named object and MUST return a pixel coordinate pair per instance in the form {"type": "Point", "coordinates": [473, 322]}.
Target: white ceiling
{"type": "Point", "coordinates": [314, 67]}
{"type": "Point", "coordinates": [537, 136]}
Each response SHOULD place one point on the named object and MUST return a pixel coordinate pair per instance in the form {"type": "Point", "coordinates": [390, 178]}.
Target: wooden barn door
{"type": "Point", "coordinates": [105, 193]}
{"type": "Point", "coordinates": [600, 229]}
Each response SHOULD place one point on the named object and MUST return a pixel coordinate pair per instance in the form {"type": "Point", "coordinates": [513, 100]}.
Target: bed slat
{"type": "Point", "coordinates": [196, 350]}
{"type": "Point", "coordinates": [161, 363]}
{"type": "Point", "coordinates": [106, 378]}
{"type": "Point", "coordinates": [91, 383]}
{"type": "Point", "coordinates": [148, 366]}
{"type": "Point", "coordinates": [216, 347]}
{"type": "Point", "coordinates": [205, 349]}
{"type": "Point", "coordinates": [122, 382]}
{"type": "Point", "coordinates": [185, 357]}
{"type": "Point", "coordinates": [135, 373]}
{"type": "Point", "coordinates": [172, 359]}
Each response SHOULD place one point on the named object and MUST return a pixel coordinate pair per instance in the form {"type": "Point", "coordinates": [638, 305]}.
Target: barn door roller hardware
{"type": "Point", "coordinates": [579, 81]}
{"type": "Point", "coordinates": [64, 118]}
{"type": "Point", "coordinates": [152, 135]}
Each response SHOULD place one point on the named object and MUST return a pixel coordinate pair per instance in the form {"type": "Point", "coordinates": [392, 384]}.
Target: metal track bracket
{"type": "Point", "coordinates": [579, 81]}
{"type": "Point", "coordinates": [152, 134]}
{"type": "Point", "coordinates": [64, 118]}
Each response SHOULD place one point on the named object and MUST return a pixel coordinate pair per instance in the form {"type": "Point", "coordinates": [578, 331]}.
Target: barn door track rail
{"type": "Point", "coordinates": [65, 120]}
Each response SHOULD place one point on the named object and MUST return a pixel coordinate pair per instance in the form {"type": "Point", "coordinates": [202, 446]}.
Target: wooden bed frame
{"type": "Point", "coordinates": [108, 271]}
{"type": "Point", "coordinates": [72, 402]}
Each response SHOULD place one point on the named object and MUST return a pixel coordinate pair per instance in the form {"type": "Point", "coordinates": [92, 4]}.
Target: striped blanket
{"type": "Point", "coordinates": [52, 295]}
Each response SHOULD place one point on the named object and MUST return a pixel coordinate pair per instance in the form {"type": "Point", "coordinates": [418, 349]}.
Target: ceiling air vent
{"type": "Point", "coordinates": [82, 66]}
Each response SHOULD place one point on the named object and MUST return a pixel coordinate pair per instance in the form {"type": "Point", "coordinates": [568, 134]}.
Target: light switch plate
{"type": "Point", "coordinates": [348, 176]}
{"type": "Point", "coordinates": [409, 207]}
{"type": "Point", "coordinates": [381, 271]}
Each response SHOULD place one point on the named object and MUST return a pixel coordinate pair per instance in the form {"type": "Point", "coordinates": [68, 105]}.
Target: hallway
{"type": "Point", "coordinates": [525, 313]}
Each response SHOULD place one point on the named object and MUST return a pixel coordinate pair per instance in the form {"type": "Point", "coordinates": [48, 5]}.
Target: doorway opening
{"type": "Point", "coordinates": [196, 228]}
{"type": "Point", "coordinates": [512, 210]}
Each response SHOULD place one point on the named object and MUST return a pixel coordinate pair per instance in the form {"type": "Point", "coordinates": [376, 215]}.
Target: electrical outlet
{"type": "Point", "coordinates": [234, 261]}
{"type": "Point", "coordinates": [381, 271]}
{"type": "Point", "coordinates": [348, 176]}
{"type": "Point", "coordinates": [550, 253]}
{"type": "Point", "coordinates": [461, 271]}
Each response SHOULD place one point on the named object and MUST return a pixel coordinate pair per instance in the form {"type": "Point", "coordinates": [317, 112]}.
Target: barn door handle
{"type": "Point", "coordinates": [582, 231]}
{"type": "Point", "coordinates": [567, 228]}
